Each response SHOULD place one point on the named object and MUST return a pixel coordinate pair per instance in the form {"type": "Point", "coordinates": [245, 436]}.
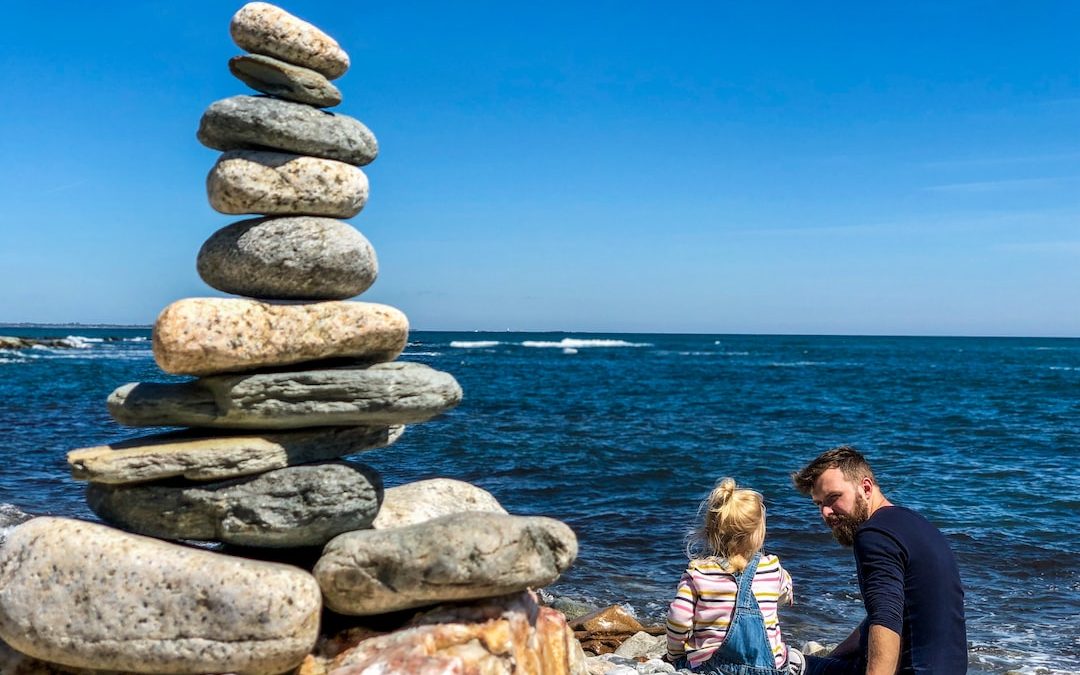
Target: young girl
{"type": "Point", "coordinates": [723, 618]}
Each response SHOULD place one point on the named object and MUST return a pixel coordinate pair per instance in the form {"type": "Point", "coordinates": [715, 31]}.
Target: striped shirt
{"type": "Point", "coordinates": [698, 617]}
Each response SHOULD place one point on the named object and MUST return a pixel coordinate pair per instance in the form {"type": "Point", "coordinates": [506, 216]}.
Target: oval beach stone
{"type": "Point", "coordinates": [423, 500]}
{"type": "Point", "coordinates": [89, 596]}
{"type": "Point", "coordinates": [195, 456]}
{"type": "Point", "coordinates": [253, 123]}
{"type": "Point", "coordinates": [262, 28]}
{"type": "Point", "coordinates": [204, 336]}
{"type": "Point", "coordinates": [385, 393]}
{"type": "Point", "coordinates": [278, 183]}
{"type": "Point", "coordinates": [296, 506]}
{"type": "Point", "coordinates": [458, 557]}
{"type": "Point", "coordinates": [289, 258]}
{"type": "Point", "coordinates": [284, 80]}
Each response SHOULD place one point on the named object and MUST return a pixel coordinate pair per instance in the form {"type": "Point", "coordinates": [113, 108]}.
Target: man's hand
{"type": "Point", "coordinates": [883, 651]}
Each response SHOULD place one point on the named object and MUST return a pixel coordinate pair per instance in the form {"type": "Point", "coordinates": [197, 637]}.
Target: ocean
{"type": "Point", "coordinates": [621, 436]}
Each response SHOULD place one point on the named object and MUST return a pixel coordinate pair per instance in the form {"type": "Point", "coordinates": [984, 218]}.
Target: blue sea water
{"type": "Point", "coordinates": [622, 435]}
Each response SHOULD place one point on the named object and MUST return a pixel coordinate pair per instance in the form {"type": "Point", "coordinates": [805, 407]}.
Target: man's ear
{"type": "Point", "coordinates": [866, 486]}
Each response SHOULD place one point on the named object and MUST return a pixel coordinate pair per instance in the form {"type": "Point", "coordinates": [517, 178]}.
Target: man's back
{"type": "Point", "coordinates": [911, 584]}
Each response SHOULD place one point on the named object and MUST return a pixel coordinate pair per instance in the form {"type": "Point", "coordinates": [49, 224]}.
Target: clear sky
{"type": "Point", "coordinates": [789, 167]}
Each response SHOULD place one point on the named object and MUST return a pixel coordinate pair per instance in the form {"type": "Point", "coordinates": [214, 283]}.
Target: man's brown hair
{"type": "Point", "coordinates": [846, 458]}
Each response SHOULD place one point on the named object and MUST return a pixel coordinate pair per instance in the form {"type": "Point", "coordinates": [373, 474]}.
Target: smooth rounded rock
{"type": "Point", "coordinates": [196, 457]}
{"type": "Point", "coordinates": [89, 596]}
{"type": "Point", "coordinates": [262, 28]}
{"type": "Point", "coordinates": [385, 393]}
{"type": "Point", "coordinates": [284, 80]}
{"type": "Point", "coordinates": [204, 336]}
{"type": "Point", "coordinates": [279, 183]}
{"type": "Point", "coordinates": [296, 506]}
{"type": "Point", "coordinates": [423, 500]}
{"type": "Point", "coordinates": [254, 123]}
{"type": "Point", "coordinates": [291, 258]}
{"type": "Point", "coordinates": [458, 557]}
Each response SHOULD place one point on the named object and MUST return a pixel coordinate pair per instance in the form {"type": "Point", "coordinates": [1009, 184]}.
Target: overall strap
{"type": "Point", "coordinates": [746, 581]}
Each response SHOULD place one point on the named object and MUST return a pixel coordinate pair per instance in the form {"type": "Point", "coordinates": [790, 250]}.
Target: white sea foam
{"type": "Point", "coordinates": [569, 350]}
{"type": "Point", "coordinates": [80, 342]}
{"type": "Point", "coordinates": [421, 353]}
{"type": "Point", "coordinates": [796, 364]}
{"type": "Point", "coordinates": [574, 343]}
{"type": "Point", "coordinates": [474, 344]}
{"type": "Point", "coordinates": [137, 339]}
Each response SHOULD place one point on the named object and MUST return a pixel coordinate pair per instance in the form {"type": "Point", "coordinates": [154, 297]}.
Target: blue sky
{"type": "Point", "coordinates": [856, 168]}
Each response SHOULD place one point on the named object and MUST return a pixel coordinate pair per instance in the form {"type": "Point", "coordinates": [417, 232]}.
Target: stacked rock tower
{"type": "Point", "coordinates": [290, 377]}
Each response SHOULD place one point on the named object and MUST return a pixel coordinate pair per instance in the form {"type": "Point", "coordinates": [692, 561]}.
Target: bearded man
{"type": "Point", "coordinates": [908, 576]}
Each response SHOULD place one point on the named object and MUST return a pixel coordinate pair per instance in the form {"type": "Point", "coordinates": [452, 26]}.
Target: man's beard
{"type": "Point", "coordinates": [844, 527]}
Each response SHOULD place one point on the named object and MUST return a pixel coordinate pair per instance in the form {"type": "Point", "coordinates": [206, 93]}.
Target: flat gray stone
{"type": "Point", "coordinates": [290, 258]}
{"type": "Point", "coordinates": [88, 596]}
{"type": "Point", "coordinates": [195, 456]}
{"type": "Point", "coordinates": [399, 392]}
{"type": "Point", "coordinates": [296, 506]}
{"type": "Point", "coordinates": [262, 28]}
{"type": "Point", "coordinates": [458, 557]}
{"type": "Point", "coordinates": [423, 500]}
{"type": "Point", "coordinates": [280, 183]}
{"type": "Point", "coordinates": [284, 80]}
{"type": "Point", "coordinates": [254, 123]}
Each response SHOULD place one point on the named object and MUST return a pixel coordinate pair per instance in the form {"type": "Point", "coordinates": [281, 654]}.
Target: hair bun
{"type": "Point", "coordinates": [724, 489]}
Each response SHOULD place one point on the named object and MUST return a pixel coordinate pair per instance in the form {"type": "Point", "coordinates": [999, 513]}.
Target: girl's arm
{"type": "Point", "coordinates": [680, 617]}
{"type": "Point", "coordinates": [787, 590]}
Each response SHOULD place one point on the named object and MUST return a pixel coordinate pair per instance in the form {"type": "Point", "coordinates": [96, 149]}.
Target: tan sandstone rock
{"type": "Point", "coordinates": [280, 183]}
{"type": "Point", "coordinates": [203, 336]}
{"type": "Point", "coordinates": [511, 635]}
{"type": "Point", "coordinates": [414, 503]}
{"type": "Point", "coordinates": [88, 596]}
{"type": "Point", "coordinates": [262, 28]}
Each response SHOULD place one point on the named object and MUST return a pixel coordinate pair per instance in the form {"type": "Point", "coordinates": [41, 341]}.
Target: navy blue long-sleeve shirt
{"type": "Point", "coordinates": [911, 585]}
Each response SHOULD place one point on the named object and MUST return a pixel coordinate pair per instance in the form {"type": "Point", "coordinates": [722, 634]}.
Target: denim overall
{"type": "Point", "coordinates": [745, 650]}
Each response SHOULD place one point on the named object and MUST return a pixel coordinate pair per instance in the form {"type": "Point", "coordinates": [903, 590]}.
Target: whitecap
{"type": "Point", "coordinates": [575, 343]}
{"type": "Point", "coordinates": [569, 350]}
{"type": "Point", "coordinates": [79, 342]}
{"type": "Point", "coordinates": [421, 353]}
{"type": "Point", "coordinates": [137, 339]}
{"type": "Point", "coordinates": [474, 344]}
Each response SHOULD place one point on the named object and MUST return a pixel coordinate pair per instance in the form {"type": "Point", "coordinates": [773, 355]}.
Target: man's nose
{"type": "Point", "coordinates": [826, 511]}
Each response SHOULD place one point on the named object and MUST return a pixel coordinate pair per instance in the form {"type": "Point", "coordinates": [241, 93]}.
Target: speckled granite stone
{"type": "Point", "coordinates": [195, 456]}
{"type": "Point", "coordinates": [423, 500]}
{"type": "Point", "coordinates": [284, 80]}
{"type": "Point", "coordinates": [259, 123]}
{"type": "Point", "coordinates": [89, 596]}
{"type": "Point", "coordinates": [278, 183]}
{"type": "Point", "coordinates": [296, 506]}
{"type": "Point", "coordinates": [262, 28]}
{"type": "Point", "coordinates": [204, 336]}
{"type": "Point", "coordinates": [456, 557]}
{"type": "Point", "coordinates": [385, 393]}
{"type": "Point", "coordinates": [289, 258]}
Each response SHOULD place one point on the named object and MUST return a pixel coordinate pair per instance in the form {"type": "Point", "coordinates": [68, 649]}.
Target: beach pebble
{"type": "Point", "coordinates": [292, 258]}
{"type": "Point", "coordinates": [296, 506]}
{"type": "Point", "coordinates": [204, 336]}
{"type": "Point", "coordinates": [89, 596]}
{"type": "Point", "coordinates": [386, 393]}
{"type": "Point", "coordinates": [284, 80]}
{"type": "Point", "coordinates": [643, 645]}
{"type": "Point", "coordinates": [279, 183]}
{"type": "Point", "coordinates": [260, 123]}
{"type": "Point", "coordinates": [457, 557]}
{"type": "Point", "coordinates": [423, 500]}
{"type": "Point", "coordinates": [510, 634]}
{"type": "Point", "coordinates": [262, 28]}
{"type": "Point", "coordinates": [196, 456]}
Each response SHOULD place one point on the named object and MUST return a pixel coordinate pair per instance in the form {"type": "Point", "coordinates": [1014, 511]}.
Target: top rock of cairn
{"type": "Point", "coordinates": [262, 28]}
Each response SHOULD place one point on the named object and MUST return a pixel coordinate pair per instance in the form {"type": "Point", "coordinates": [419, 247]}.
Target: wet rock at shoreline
{"type": "Point", "coordinates": [509, 634]}
{"type": "Point", "coordinates": [284, 80]}
{"type": "Point", "coordinates": [262, 28]}
{"type": "Point", "coordinates": [425, 500]}
{"type": "Point", "coordinates": [10, 516]}
{"type": "Point", "coordinates": [293, 258]}
{"type": "Point", "coordinates": [383, 394]}
{"type": "Point", "coordinates": [206, 336]}
{"type": "Point", "coordinates": [282, 183]}
{"type": "Point", "coordinates": [259, 123]}
{"type": "Point", "coordinates": [295, 506]}
{"type": "Point", "coordinates": [89, 596]}
{"type": "Point", "coordinates": [197, 457]}
{"type": "Point", "coordinates": [458, 557]}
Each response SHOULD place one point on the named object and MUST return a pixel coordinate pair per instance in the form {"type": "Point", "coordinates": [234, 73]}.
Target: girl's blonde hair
{"type": "Point", "coordinates": [732, 526]}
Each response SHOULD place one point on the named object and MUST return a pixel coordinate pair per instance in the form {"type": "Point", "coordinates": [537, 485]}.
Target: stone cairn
{"type": "Point", "coordinates": [289, 378]}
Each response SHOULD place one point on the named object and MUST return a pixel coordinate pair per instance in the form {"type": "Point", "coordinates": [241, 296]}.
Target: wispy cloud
{"type": "Point", "coordinates": [975, 162]}
{"type": "Point", "coordinates": [1069, 247]}
{"type": "Point", "coordinates": [1002, 185]}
